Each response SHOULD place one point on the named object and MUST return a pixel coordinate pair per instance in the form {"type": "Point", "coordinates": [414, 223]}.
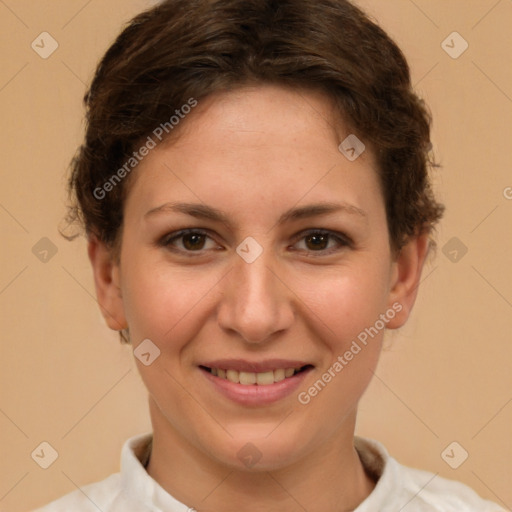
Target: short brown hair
{"type": "Point", "coordinates": [184, 49]}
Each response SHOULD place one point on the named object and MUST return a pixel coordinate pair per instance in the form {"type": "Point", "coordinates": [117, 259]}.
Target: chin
{"type": "Point", "coordinates": [259, 449]}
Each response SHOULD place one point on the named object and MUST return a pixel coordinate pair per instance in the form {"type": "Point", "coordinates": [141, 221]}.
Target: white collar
{"type": "Point", "coordinates": [141, 489]}
{"type": "Point", "coordinates": [137, 486]}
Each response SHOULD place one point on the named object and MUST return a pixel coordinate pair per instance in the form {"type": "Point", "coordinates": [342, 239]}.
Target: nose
{"type": "Point", "coordinates": [256, 303]}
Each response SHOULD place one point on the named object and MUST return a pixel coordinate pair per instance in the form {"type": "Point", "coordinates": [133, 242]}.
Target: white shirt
{"type": "Point", "coordinates": [398, 488]}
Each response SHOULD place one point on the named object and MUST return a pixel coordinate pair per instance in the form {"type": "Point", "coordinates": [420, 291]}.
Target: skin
{"type": "Point", "coordinates": [255, 153]}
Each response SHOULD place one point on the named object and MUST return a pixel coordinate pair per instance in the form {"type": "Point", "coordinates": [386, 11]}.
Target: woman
{"type": "Point", "coordinates": [254, 187]}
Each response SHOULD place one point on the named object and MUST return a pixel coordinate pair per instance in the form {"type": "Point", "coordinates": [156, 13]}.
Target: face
{"type": "Point", "coordinates": [252, 248]}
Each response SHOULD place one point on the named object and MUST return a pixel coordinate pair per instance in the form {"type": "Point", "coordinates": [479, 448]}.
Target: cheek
{"type": "Point", "coordinates": [346, 309]}
{"type": "Point", "coordinates": [165, 303]}
{"type": "Point", "coordinates": [347, 300]}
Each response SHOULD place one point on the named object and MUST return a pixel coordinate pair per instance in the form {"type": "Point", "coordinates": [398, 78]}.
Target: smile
{"type": "Point", "coordinates": [255, 384]}
{"type": "Point", "coordinates": [252, 378]}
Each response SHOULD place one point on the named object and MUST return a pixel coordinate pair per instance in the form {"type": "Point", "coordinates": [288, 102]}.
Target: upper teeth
{"type": "Point", "coordinates": [248, 378]}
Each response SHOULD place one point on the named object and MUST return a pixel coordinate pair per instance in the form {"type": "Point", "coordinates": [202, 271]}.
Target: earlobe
{"type": "Point", "coordinates": [405, 279]}
{"type": "Point", "coordinates": [107, 282]}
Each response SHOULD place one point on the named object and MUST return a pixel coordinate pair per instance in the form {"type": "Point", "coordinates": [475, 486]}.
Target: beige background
{"type": "Point", "coordinates": [66, 380]}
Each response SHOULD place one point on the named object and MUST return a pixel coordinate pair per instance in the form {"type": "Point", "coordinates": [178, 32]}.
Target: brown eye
{"type": "Point", "coordinates": [322, 242]}
{"type": "Point", "coordinates": [188, 241]}
{"type": "Point", "coordinates": [317, 242]}
{"type": "Point", "coordinates": [193, 241]}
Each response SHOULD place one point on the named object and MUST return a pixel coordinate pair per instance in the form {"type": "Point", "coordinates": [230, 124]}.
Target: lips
{"type": "Point", "coordinates": [255, 383]}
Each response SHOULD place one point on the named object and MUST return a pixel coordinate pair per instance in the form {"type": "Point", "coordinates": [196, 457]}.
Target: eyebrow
{"type": "Point", "coordinates": [202, 211]}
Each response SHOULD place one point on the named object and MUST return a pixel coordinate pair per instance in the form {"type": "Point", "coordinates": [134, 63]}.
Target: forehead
{"type": "Point", "coordinates": [252, 116]}
{"type": "Point", "coordinates": [256, 142]}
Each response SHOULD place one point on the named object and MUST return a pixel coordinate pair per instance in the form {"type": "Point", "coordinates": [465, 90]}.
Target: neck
{"type": "Point", "coordinates": [332, 478]}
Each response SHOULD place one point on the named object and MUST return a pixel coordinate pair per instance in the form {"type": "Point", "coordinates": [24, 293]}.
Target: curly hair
{"type": "Point", "coordinates": [188, 49]}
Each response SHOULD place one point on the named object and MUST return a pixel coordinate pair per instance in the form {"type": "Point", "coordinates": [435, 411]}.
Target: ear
{"type": "Point", "coordinates": [405, 279]}
{"type": "Point", "coordinates": [106, 279]}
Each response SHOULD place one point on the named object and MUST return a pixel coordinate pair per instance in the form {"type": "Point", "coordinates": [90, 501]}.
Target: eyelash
{"type": "Point", "coordinates": [342, 240]}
